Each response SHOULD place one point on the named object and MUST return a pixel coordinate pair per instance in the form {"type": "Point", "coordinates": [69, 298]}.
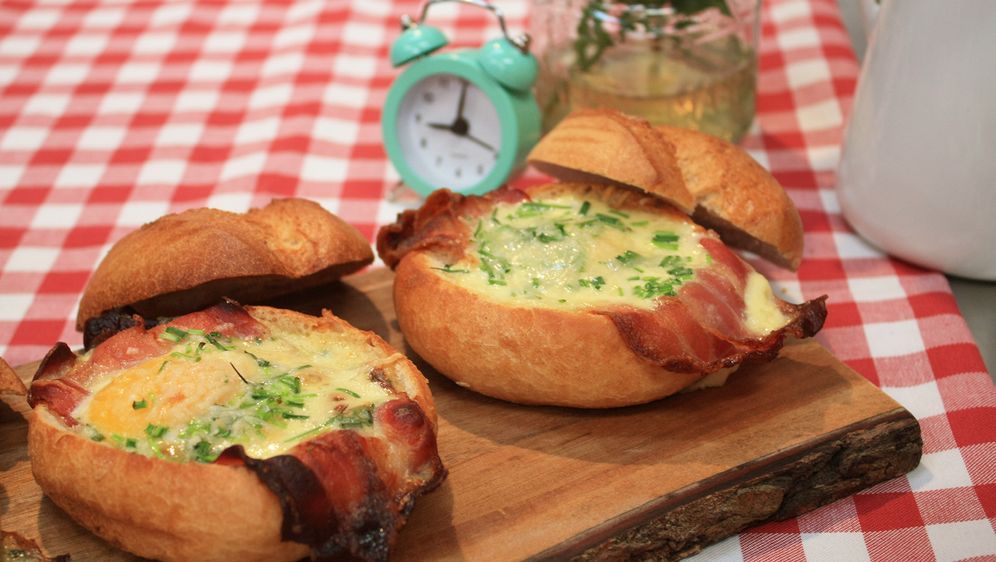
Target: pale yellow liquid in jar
{"type": "Point", "coordinates": [711, 89]}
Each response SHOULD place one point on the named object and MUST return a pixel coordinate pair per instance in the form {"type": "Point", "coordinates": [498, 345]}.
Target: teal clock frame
{"type": "Point", "coordinates": [518, 114]}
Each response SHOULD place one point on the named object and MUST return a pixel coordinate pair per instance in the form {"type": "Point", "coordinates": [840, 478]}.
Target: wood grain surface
{"type": "Point", "coordinates": [657, 481]}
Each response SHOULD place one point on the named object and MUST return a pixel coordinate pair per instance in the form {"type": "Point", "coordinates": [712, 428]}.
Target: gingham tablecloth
{"type": "Point", "coordinates": [114, 113]}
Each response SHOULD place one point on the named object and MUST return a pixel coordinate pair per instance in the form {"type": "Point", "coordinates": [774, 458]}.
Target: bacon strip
{"type": "Point", "coordinates": [52, 387]}
{"type": "Point", "coordinates": [334, 497]}
{"type": "Point", "coordinates": [701, 330]}
{"type": "Point", "coordinates": [437, 224]}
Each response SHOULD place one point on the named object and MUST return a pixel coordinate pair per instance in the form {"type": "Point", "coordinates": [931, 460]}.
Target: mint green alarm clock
{"type": "Point", "coordinates": [462, 119]}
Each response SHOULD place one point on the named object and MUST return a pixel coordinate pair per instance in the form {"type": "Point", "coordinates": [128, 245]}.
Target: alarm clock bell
{"type": "Point", "coordinates": [462, 119]}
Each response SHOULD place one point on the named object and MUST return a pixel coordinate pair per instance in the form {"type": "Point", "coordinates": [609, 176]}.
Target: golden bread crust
{"type": "Point", "coordinates": [737, 197]}
{"type": "Point", "coordinates": [145, 506]}
{"type": "Point", "coordinates": [524, 355]}
{"type": "Point", "coordinates": [223, 510]}
{"type": "Point", "coordinates": [714, 181]}
{"type": "Point", "coordinates": [189, 260]}
{"type": "Point", "coordinates": [607, 147]}
{"type": "Point", "coordinates": [597, 357]}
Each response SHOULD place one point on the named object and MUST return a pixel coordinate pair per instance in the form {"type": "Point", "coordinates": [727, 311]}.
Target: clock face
{"type": "Point", "coordinates": [449, 131]}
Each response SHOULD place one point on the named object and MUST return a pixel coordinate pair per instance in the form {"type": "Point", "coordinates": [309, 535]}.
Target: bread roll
{"type": "Point", "coordinates": [578, 295]}
{"type": "Point", "coordinates": [187, 261]}
{"type": "Point", "coordinates": [713, 180]}
{"type": "Point", "coordinates": [236, 434]}
{"type": "Point", "coordinates": [610, 148]}
{"type": "Point", "coordinates": [738, 198]}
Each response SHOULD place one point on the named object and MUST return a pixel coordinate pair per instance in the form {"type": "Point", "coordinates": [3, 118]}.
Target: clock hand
{"type": "Point", "coordinates": [463, 98]}
{"type": "Point", "coordinates": [458, 127]}
{"type": "Point", "coordinates": [480, 142]}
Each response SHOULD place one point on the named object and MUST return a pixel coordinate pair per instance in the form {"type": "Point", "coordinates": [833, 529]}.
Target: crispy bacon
{"type": "Point", "coordinates": [51, 386]}
{"type": "Point", "coordinates": [340, 491]}
{"type": "Point", "coordinates": [437, 224]}
{"type": "Point", "coordinates": [701, 330]}
{"type": "Point", "coordinates": [108, 323]}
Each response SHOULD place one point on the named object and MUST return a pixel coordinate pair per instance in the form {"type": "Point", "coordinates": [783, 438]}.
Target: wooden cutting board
{"type": "Point", "coordinates": [550, 483]}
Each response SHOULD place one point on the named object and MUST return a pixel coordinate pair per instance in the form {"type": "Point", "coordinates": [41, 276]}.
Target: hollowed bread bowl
{"type": "Point", "coordinates": [236, 434]}
{"type": "Point", "coordinates": [634, 323]}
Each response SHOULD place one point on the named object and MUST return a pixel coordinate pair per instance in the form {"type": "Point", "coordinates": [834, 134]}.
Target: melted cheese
{"type": "Point", "coordinates": [569, 253]}
{"type": "Point", "coordinates": [266, 395]}
{"type": "Point", "coordinates": [763, 315]}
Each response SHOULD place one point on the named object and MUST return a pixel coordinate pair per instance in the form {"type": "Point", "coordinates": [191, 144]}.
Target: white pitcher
{"type": "Point", "coordinates": [917, 175]}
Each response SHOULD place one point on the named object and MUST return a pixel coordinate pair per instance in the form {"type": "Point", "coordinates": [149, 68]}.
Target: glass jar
{"type": "Point", "coordinates": [687, 63]}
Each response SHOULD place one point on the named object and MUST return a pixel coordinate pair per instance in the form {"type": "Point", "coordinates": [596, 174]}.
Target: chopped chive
{"type": "Point", "coordinates": [534, 208]}
{"type": "Point", "coordinates": [203, 452]}
{"type": "Point", "coordinates": [155, 431]}
{"type": "Point", "coordinates": [293, 383]}
{"type": "Point", "coordinates": [449, 269]}
{"type": "Point", "coordinates": [610, 220]}
{"type": "Point", "coordinates": [666, 240]}
{"type": "Point", "coordinates": [628, 257]}
{"type": "Point", "coordinates": [639, 223]}
{"type": "Point", "coordinates": [292, 416]}
{"type": "Point", "coordinates": [680, 271]}
{"type": "Point", "coordinates": [671, 261]}
{"type": "Point", "coordinates": [130, 443]}
{"type": "Point", "coordinates": [213, 338]}
{"type": "Point", "coordinates": [161, 367]}
{"type": "Point", "coordinates": [263, 363]}
{"type": "Point", "coordinates": [195, 427]}
{"type": "Point", "coordinates": [654, 287]}
{"type": "Point", "coordinates": [595, 282]}
{"type": "Point", "coordinates": [620, 213]}
{"type": "Point", "coordinates": [173, 334]}
{"type": "Point", "coordinates": [584, 208]}
{"type": "Point", "coordinates": [347, 391]}
{"type": "Point", "coordinates": [139, 404]}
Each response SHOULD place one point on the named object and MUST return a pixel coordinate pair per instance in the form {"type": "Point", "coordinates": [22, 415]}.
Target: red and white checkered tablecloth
{"type": "Point", "coordinates": [114, 113]}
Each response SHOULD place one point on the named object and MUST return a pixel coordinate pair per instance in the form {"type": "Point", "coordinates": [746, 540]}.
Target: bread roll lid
{"type": "Point", "coordinates": [714, 181]}
{"type": "Point", "coordinates": [186, 261]}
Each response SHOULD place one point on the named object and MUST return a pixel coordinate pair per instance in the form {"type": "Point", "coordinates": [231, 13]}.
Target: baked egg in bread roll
{"type": "Point", "coordinates": [589, 294]}
{"type": "Point", "coordinates": [236, 434]}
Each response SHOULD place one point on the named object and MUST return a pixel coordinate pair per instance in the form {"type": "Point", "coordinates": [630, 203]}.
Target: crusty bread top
{"type": "Point", "coordinates": [189, 260]}
{"type": "Point", "coordinates": [601, 146]}
{"type": "Point", "coordinates": [713, 180]}
{"type": "Point", "coordinates": [737, 197]}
